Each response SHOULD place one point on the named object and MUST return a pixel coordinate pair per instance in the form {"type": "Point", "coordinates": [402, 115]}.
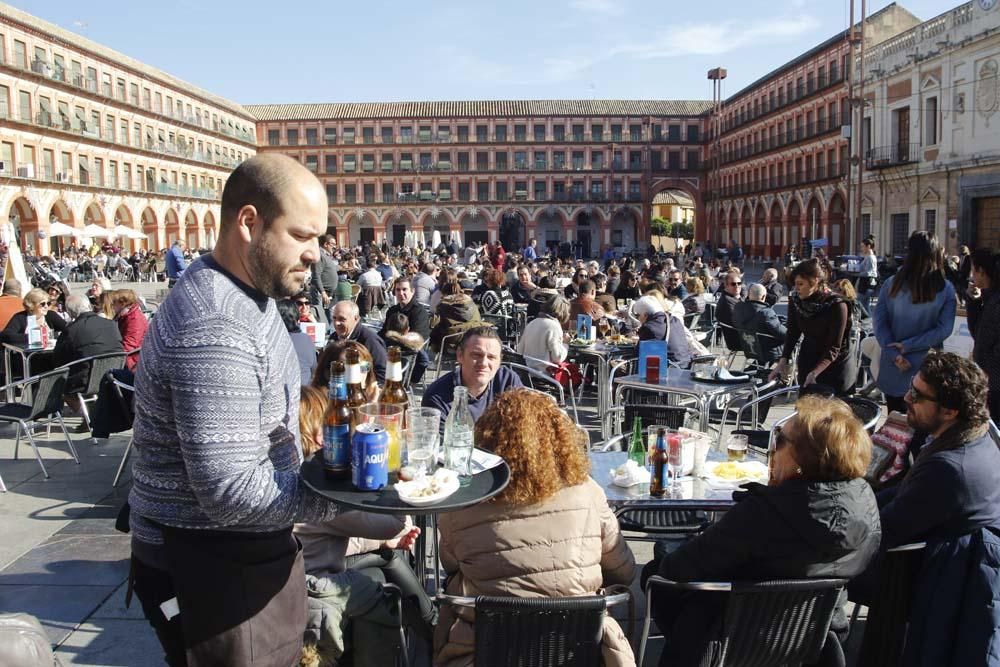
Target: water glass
{"type": "Point", "coordinates": [422, 437]}
{"type": "Point", "coordinates": [459, 459]}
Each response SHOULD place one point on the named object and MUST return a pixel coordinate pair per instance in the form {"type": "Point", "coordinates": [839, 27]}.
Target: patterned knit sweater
{"type": "Point", "coordinates": [216, 429]}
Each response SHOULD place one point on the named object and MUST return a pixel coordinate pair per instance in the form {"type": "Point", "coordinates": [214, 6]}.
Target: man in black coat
{"type": "Point", "coordinates": [757, 316]}
{"type": "Point", "coordinates": [347, 326]}
{"type": "Point", "coordinates": [323, 285]}
{"type": "Point", "coordinates": [420, 322]}
{"type": "Point", "coordinates": [727, 298]}
{"type": "Point", "coordinates": [775, 290]}
{"type": "Point", "coordinates": [87, 335]}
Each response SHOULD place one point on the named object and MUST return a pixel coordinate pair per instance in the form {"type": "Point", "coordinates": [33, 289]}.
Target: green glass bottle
{"type": "Point", "coordinates": [637, 448]}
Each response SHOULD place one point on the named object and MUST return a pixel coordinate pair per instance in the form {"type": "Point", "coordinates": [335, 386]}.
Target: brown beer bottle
{"type": "Point", "coordinates": [394, 392]}
{"type": "Point", "coordinates": [337, 427]}
{"type": "Point", "coordinates": [355, 387]}
{"type": "Point", "coordinates": [658, 461]}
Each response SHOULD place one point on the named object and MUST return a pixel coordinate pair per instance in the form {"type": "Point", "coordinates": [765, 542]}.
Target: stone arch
{"type": "Point", "coordinates": [191, 228]}
{"type": "Point", "coordinates": [150, 227]}
{"type": "Point", "coordinates": [172, 226]}
{"type": "Point", "coordinates": [475, 228]}
{"type": "Point", "coordinates": [747, 239]}
{"type": "Point", "coordinates": [793, 216]}
{"type": "Point", "coordinates": [814, 214]}
{"type": "Point", "coordinates": [94, 215]}
{"type": "Point", "coordinates": [762, 230]}
{"type": "Point", "coordinates": [778, 228]}
{"type": "Point", "coordinates": [211, 233]}
{"type": "Point", "coordinates": [24, 220]}
{"type": "Point", "coordinates": [550, 227]}
{"type": "Point", "coordinates": [596, 217]}
{"type": "Point", "coordinates": [361, 225]}
{"type": "Point", "coordinates": [732, 227]}
{"type": "Point", "coordinates": [835, 219]}
{"type": "Point", "coordinates": [624, 232]}
{"type": "Point", "coordinates": [588, 222]}
{"type": "Point", "coordinates": [397, 222]}
{"type": "Point", "coordinates": [123, 216]}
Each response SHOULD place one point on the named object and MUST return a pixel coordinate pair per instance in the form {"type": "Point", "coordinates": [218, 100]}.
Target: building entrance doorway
{"type": "Point", "coordinates": [986, 213]}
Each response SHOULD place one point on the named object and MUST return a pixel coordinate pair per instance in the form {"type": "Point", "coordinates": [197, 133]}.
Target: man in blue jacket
{"type": "Point", "coordinates": [175, 262]}
{"type": "Point", "coordinates": [952, 489]}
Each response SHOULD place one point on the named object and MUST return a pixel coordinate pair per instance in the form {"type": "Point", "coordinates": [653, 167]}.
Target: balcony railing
{"type": "Point", "coordinates": [782, 139]}
{"type": "Point", "coordinates": [501, 138]}
{"type": "Point", "coordinates": [822, 172]}
{"type": "Point", "coordinates": [109, 180]}
{"type": "Point", "coordinates": [800, 92]}
{"type": "Point", "coordinates": [894, 155]}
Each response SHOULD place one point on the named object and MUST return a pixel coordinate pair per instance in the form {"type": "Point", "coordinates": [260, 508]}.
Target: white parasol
{"type": "Point", "coordinates": [435, 239]}
{"type": "Point", "coordinates": [128, 232]}
{"type": "Point", "coordinates": [62, 229]}
{"type": "Point", "coordinates": [96, 231]}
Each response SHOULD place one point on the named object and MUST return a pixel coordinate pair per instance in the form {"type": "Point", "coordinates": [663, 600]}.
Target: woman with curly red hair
{"type": "Point", "coordinates": [550, 533]}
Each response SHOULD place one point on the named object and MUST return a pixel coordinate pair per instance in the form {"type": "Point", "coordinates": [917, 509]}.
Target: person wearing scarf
{"type": "Point", "coordinates": [821, 319]}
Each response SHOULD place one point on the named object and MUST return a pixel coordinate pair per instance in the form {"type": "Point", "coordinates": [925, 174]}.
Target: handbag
{"type": "Point", "coordinates": [567, 374]}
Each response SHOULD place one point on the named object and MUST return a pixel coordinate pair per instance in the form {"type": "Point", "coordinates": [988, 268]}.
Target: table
{"type": "Point", "coordinates": [603, 353]}
{"type": "Point", "coordinates": [26, 352]}
{"type": "Point", "coordinates": [681, 382]}
{"type": "Point", "coordinates": [484, 486]}
{"type": "Point", "coordinates": [689, 493]}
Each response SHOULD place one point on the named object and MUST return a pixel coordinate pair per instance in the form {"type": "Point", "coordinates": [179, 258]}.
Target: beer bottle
{"type": "Point", "coordinates": [337, 427]}
{"type": "Point", "coordinates": [658, 460]}
{"type": "Point", "coordinates": [394, 392]}
{"type": "Point", "coordinates": [355, 387]}
{"type": "Point", "coordinates": [637, 448]}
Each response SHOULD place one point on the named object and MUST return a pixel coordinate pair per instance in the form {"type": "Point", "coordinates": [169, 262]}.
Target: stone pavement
{"type": "Point", "coordinates": [62, 560]}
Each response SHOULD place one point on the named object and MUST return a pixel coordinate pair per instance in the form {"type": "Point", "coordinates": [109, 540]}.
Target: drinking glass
{"type": "Point", "coordinates": [390, 417]}
{"type": "Point", "coordinates": [459, 455]}
{"type": "Point", "coordinates": [736, 447]}
{"type": "Point", "coordinates": [422, 437]}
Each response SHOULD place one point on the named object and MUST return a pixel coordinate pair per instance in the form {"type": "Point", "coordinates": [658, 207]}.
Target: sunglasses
{"type": "Point", "coordinates": [916, 395]}
{"type": "Point", "coordinates": [735, 284]}
{"type": "Point", "coordinates": [301, 303]}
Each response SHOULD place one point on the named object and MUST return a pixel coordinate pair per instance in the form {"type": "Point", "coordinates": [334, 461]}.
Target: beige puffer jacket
{"type": "Point", "coordinates": [568, 545]}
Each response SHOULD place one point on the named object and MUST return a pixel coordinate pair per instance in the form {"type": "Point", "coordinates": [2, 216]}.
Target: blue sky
{"type": "Point", "coordinates": [301, 51]}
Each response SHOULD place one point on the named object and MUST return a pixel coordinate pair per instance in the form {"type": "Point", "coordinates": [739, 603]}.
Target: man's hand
{"type": "Point", "coordinates": [778, 372]}
{"type": "Point", "coordinates": [326, 299]}
{"type": "Point", "coordinates": [810, 379]}
{"type": "Point", "coordinates": [404, 541]}
{"type": "Point", "coordinates": [902, 364]}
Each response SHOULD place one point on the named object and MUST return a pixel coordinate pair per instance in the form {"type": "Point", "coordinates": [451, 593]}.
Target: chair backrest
{"type": "Point", "coordinates": [783, 622]}
{"type": "Point", "coordinates": [47, 396]}
{"type": "Point", "coordinates": [866, 410]}
{"type": "Point", "coordinates": [540, 632]}
{"type": "Point", "coordinates": [99, 366]}
{"type": "Point", "coordinates": [120, 389]}
{"type": "Point", "coordinates": [889, 610]}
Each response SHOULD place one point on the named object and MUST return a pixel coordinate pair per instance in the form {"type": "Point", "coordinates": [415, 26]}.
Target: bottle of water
{"type": "Point", "coordinates": [459, 430]}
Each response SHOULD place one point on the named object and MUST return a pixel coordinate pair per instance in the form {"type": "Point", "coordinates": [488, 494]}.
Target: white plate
{"type": "Point", "coordinates": [421, 501]}
{"type": "Point", "coordinates": [754, 471]}
{"type": "Point", "coordinates": [625, 482]}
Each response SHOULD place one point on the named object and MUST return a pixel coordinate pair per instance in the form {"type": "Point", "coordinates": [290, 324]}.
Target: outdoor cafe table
{"type": "Point", "coordinates": [603, 353]}
{"type": "Point", "coordinates": [26, 352]}
{"type": "Point", "coordinates": [681, 382]}
{"type": "Point", "coordinates": [688, 494]}
{"type": "Point", "coordinates": [484, 485]}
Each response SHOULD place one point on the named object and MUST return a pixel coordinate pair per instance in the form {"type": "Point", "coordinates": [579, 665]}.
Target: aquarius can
{"type": "Point", "coordinates": [370, 457]}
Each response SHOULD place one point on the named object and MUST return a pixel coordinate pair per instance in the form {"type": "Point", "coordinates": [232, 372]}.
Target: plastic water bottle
{"type": "Point", "coordinates": [459, 436]}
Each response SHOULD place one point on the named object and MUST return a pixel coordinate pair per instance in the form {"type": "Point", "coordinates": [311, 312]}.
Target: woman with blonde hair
{"type": "Point", "coordinates": [550, 533]}
{"type": "Point", "coordinates": [816, 517]}
{"type": "Point", "coordinates": [37, 306]}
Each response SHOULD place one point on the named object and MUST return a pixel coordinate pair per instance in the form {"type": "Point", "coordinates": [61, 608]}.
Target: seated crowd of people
{"type": "Point", "coordinates": [818, 515]}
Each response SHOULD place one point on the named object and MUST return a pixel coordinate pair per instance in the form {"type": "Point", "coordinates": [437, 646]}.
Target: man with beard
{"type": "Point", "coordinates": [216, 485]}
{"type": "Point", "coordinates": [952, 488]}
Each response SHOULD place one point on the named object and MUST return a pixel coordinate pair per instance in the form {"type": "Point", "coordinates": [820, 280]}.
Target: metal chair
{"type": "Point", "coordinates": [764, 623]}
{"type": "Point", "coordinates": [758, 439]}
{"type": "Point", "coordinates": [126, 406]}
{"type": "Point", "coordinates": [449, 344]}
{"type": "Point", "coordinates": [99, 365]}
{"type": "Point", "coordinates": [866, 410]}
{"type": "Point", "coordinates": [541, 632]}
{"type": "Point", "coordinates": [46, 403]}
{"type": "Point", "coordinates": [529, 376]}
{"type": "Point", "coordinates": [889, 612]}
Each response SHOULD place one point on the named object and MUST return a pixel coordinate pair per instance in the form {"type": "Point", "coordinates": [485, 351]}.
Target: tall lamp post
{"type": "Point", "coordinates": [716, 76]}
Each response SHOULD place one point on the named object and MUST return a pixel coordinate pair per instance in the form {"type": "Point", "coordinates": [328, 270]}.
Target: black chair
{"type": "Point", "coordinates": [764, 623]}
{"type": "Point", "coordinates": [889, 612]}
{"type": "Point", "coordinates": [127, 408]}
{"type": "Point", "coordinates": [540, 632]}
{"type": "Point", "coordinates": [98, 366]}
{"type": "Point", "coordinates": [653, 523]}
{"type": "Point", "coordinates": [866, 410]}
{"type": "Point", "coordinates": [46, 403]}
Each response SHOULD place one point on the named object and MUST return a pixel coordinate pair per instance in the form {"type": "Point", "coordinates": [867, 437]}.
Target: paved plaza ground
{"type": "Point", "coordinates": [62, 560]}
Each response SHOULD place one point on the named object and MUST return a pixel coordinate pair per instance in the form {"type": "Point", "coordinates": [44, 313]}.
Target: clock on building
{"type": "Point", "coordinates": [987, 5]}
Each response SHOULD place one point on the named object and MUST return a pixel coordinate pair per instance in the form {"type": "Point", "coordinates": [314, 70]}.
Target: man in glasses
{"type": "Point", "coordinates": [952, 488]}
{"type": "Point", "coordinates": [728, 297]}
{"type": "Point", "coordinates": [675, 285]}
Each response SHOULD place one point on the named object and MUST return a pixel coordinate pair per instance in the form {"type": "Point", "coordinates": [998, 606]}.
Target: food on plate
{"type": "Point", "coordinates": [407, 473]}
{"type": "Point", "coordinates": [424, 486]}
{"type": "Point", "coordinates": [621, 339]}
{"type": "Point", "coordinates": [734, 470]}
{"type": "Point", "coordinates": [629, 474]}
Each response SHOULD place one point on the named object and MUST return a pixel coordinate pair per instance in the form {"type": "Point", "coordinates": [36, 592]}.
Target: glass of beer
{"type": "Point", "coordinates": [736, 447]}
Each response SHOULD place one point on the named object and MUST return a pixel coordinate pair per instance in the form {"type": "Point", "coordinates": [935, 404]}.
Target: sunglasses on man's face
{"type": "Point", "coordinates": [735, 284]}
{"type": "Point", "coordinates": [301, 304]}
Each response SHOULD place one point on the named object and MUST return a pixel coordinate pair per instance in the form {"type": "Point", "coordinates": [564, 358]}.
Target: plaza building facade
{"type": "Point", "coordinates": [780, 149]}
{"type": "Point", "coordinates": [931, 131]}
{"type": "Point", "coordinates": [93, 137]}
{"type": "Point", "coordinates": [584, 172]}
